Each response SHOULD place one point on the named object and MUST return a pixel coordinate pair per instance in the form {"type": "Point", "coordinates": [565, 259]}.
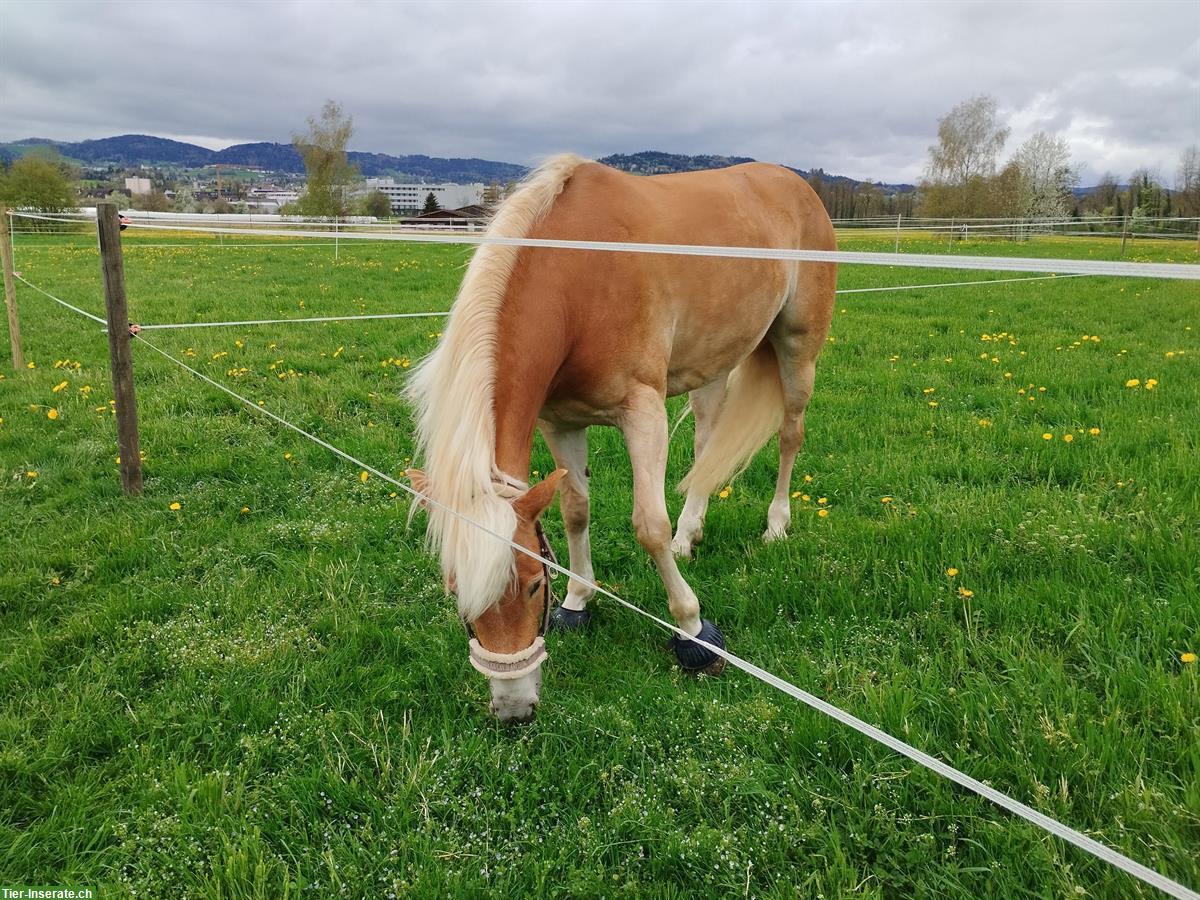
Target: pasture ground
{"type": "Point", "coordinates": [263, 692]}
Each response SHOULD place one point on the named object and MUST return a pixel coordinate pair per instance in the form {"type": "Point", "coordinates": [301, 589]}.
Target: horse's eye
{"type": "Point", "coordinates": [533, 588]}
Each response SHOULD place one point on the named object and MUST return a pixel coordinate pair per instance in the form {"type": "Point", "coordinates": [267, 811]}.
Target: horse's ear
{"type": "Point", "coordinates": [534, 501]}
{"type": "Point", "coordinates": [420, 483]}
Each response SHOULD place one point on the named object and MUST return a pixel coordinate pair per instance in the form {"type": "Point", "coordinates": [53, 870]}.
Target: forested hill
{"type": "Point", "coordinates": [142, 149]}
{"type": "Point", "coordinates": [654, 162]}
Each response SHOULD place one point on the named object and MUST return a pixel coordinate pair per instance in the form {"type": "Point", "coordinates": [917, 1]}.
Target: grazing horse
{"type": "Point", "coordinates": [559, 339]}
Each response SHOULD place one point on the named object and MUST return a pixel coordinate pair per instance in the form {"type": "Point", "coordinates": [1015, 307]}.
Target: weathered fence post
{"type": "Point", "coordinates": [1124, 234]}
{"type": "Point", "coordinates": [120, 351]}
{"type": "Point", "coordinates": [10, 293]}
{"type": "Point", "coordinates": [899, 216]}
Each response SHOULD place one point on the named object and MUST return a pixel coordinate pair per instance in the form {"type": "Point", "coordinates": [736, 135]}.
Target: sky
{"type": "Point", "coordinates": [855, 88]}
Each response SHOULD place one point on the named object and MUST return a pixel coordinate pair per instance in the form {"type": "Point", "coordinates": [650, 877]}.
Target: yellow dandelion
{"type": "Point", "coordinates": [985, 423]}
{"type": "Point", "coordinates": [175, 507]}
{"type": "Point", "coordinates": [1132, 383]}
{"type": "Point", "coordinates": [822, 513]}
{"type": "Point", "coordinates": [885, 500]}
{"type": "Point", "coordinates": [1093, 431]}
{"type": "Point", "coordinates": [1068, 438]}
{"type": "Point", "coordinates": [933, 403]}
{"type": "Point", "coordinates": [52, 414]}
{"type": "Point", "coordinates": [58, 387]}
{"type": "Point", "coordinates": [56, 581]}
{"type": "Point", "coordinates": [823, 500]}
{"type": "Point", "coordinates": [929, 390]}
{"type": "Point", "coordinates": [952, 571]}
{"type": "Point", "coordinates": [1150, 383]}
{"type": "Point", "coordinates": [725, 492]}
{"type": "Point", "coordinates": [287, 456]}
{"type": "Point", "coordinates": [807, 479]}
{"type": "Point", "coordinates": [31, 474]}
{"type": "Point", "coordinates": [1008, 374]}
{"type": "Point", "coordinates": [805, 497]}
{"type": "Point", "coordinates": [1047, 436]}
{"type": "Point", "coordinates": [1187, 658]}
{"type": "Point", "coordinates": [363, 476]}
{"type": "Point", "coordinates": [245, 509]}
{"type": "Point", "coordinates": [795, 494]}
{"type": "Point", "coordinates": [31, 365]}
{"type": "Point", "coordinates": [965, 593]}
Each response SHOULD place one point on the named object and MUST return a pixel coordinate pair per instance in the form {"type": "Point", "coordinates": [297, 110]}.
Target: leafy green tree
{"type": "Point", "coordinates": [39, 180]}
{"type": "Point", "coordinates": [431, 204]}
{"type": "Point", "coordinates": [155, 201]}
{"type": "Point", "coordinates": [323, 149]}
{"type": "Point", "coordinates": [377, 204]}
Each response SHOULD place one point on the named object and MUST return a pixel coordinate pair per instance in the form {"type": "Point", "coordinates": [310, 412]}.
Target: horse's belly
{"type": "Point", "coordinates": [706, 348]}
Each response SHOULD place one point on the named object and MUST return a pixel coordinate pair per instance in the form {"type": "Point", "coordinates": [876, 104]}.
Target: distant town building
{"type": "Point", "coordinates": [411, 197]}
{"type": "Point", "coordinates": [138, 185]}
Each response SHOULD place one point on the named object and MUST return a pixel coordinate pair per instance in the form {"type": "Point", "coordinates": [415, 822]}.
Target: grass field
{"type": "Point", "coordinates": [262, 692]}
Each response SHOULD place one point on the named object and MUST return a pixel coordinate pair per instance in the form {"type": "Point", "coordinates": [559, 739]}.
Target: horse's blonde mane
{"type": "Point", "coordinates": [452, 391]}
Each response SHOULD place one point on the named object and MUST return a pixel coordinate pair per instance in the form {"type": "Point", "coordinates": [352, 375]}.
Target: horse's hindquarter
{"type": "Point", "coordinates": [671, 322]}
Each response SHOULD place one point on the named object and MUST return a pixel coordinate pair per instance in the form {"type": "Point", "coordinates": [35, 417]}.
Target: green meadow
{"type": "Point", "coordinates": [248, 682]}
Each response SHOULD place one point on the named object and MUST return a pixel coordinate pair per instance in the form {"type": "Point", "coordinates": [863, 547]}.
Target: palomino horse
{"type": "Point", "coordinates": [560, 339]}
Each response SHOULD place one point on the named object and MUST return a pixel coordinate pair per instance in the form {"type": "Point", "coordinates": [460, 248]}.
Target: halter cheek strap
{"type": "Point", "coordinates": [508, 665]}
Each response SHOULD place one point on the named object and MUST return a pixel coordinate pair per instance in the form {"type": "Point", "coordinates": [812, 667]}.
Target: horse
{"type": "Point", "coordinates": [559, 339]}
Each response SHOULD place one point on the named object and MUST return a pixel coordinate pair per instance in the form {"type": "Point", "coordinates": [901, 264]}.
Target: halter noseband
{"type": "Point", "coordinates": [522, 662]}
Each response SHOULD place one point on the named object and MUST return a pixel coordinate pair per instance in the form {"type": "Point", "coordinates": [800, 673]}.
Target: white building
{"type": "Point", "coordinates": [411, 197]}
{"type": "Point", "coordinates": [138, 185]}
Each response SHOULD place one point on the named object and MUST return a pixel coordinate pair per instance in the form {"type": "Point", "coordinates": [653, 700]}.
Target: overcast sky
{"type": "Point", "coordinates": [854, 88]}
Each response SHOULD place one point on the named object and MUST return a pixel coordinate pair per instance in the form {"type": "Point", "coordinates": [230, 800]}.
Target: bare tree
{"type": "Point", "coordinates": [1187, 183]}
{"type": "Point", "coordinates": [969, 140]}
{"type": "Point", "coordinates": [323, 149]}
{"type": "Point", "coordinates": [1046, 177]}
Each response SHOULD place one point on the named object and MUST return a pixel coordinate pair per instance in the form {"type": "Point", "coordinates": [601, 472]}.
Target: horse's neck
{"type": "Point", "coordinates": [525, 368]}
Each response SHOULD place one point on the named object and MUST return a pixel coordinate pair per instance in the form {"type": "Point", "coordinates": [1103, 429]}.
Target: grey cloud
{"type": "Point", "coordinates": [854, 88]}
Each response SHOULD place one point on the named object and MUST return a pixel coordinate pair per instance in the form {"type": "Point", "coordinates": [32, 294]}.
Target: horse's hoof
{"type": "Point", "coordinates": [563, 619]}
{"type": "Point", "coordinates": [697, 659]}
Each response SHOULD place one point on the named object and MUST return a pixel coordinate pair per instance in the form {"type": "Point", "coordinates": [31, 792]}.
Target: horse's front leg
{"type": "Point", "coordinates": [644, 425]}
{"type": "Point", "coordinates": [569, 447]}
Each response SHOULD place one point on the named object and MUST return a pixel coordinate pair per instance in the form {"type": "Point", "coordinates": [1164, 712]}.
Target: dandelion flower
{"type": "Point", "coordinates": [287, 456]}
{"type": "Point", "coordinates": [175, 507]}
{"type": "Point", "coordinates": [1132, 383]}
{"type": "Point", "coordinates": [823, 500]}
{"type": "Point", "coordinates": [965, 593]}
{"type": "Point", "coordinates": [724, 493]}
{"type": "Point", "coordinates": [58, 387]}
{"type": "Point", "coordinates": [31, 474]}
{"type": "Point", "coordinates": [363, 476]}
{"type": "Point", "coordinates": [808, 479]}
{"type": "Point", "coordinates": [1150, 383]}
{"type": "Point", "coordinates": [1068, 438]}
{"type": "Point", "coordinates": [795, 494]}
{"type": "Point", "coordinates": [1093, 431]}
{"type": "Point", "coordinates": [805, 497]}
{"type": "Point", "coordinates": [985, 423]}
{"type": "Point", "coordinates": [245, 509]}
{"type": "Point", "coordinates": [1047, 436]}
{"type": "Point", "coordinates": [52, 414]}
{"type": "Point", "coordinates": [822, 513]}
{"type": "Point", "coordinates": [1187, 658]}
{"type": "Point", "coordinates": [885, 500]}
{"type": "Point", "coordinates": [952, 571]}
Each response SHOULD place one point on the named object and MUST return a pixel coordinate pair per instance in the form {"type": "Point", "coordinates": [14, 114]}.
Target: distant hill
{"type": "Point", "coordinates": [655, 162]}
{"type": "Point", "coordinates": [142, 149]}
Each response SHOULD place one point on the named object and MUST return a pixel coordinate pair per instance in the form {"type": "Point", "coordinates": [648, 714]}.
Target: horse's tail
{"type": "Point", "coordinates": [751, 412]}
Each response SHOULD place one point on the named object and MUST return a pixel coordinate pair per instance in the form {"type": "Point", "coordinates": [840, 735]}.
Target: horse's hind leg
{"type": "Point", "coordinates": [705, 402]}
{"type": "Point", "coordinates": [569, 447]}
{"type": "Point", "coordinates": [798, 337]}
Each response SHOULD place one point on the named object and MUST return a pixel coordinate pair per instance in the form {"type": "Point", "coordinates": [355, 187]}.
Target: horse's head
{"type": "Point", "coordinates": [507, 637]}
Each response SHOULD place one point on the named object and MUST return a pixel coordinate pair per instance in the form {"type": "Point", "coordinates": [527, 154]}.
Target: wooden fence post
{"type": "Point", "coordinates": [10, 293]}
{"type": "Point", "coordinates": [120, 351]}
{"type": "Point", "coordinates": [898, 217]}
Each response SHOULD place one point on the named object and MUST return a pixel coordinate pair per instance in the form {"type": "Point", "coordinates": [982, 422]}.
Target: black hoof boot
{"type": "Point", "coordinates": [696, 659]}
{"type": "Point", "coordinates": [563, 619]}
